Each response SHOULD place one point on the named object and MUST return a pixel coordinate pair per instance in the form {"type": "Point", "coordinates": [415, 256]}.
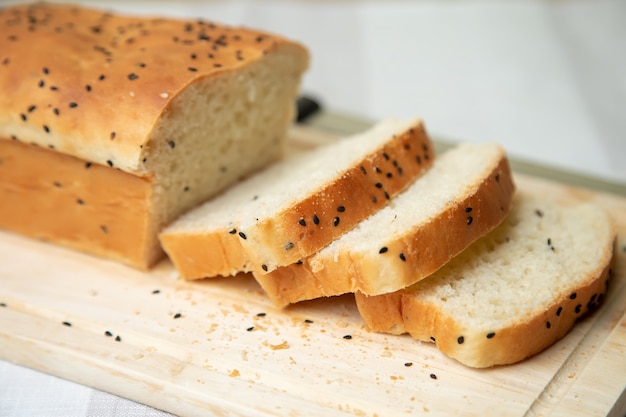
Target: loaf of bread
{"type": "Point", "coordinates": [511, 294]}
{"type": "Point", "coordinates": [466, 193]}
{"type": "Point", "coordinates": [298, 206]}
{"type": "Point", "coordinates": [112, 126]}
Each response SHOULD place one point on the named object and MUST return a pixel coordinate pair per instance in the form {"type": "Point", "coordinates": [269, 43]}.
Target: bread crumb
{"type": "Point", "coordinates": [234, 373]}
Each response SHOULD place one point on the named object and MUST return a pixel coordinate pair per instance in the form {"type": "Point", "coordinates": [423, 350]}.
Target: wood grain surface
{"type": "Point", "coordinates": [219, 347]}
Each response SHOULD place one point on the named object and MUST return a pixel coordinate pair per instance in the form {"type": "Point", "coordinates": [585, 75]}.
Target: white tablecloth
{"type": "Point", "coordinates": [546, 79]}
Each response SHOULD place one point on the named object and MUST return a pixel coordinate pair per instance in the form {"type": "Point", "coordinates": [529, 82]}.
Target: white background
{"type": "Point", "coordinates": [546, 79]}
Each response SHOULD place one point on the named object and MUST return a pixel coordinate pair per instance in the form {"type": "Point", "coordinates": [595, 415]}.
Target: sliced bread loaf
{"type": "Point", "coordinates": [111, 126]}
{"type": "Point", "coordinates": [511, 294]}
{"type": "Point", "coordinates": [464, 195]}
{"type": "Point", "coordinates": [299, 205]}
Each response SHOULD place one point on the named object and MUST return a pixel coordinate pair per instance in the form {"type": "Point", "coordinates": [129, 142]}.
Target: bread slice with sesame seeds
{"type": "Point", "coordinates": [299, 205]}
{"type": "Point", "coordinates": [466, 193]}
{"type": "Point", "coordinates": [511, 294]}
{"type": "Point", "coordinates": [111, 126]}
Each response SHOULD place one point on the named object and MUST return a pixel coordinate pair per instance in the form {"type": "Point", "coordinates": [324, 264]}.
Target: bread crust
{"type": "Point", "coordinates": [60, 198]}
{"type": "Point", "coordinates": [409, 258]}
{"type": "Point", "coordinates": [312, 222]}
{"type": "Point", "coordinates": [94, 85]}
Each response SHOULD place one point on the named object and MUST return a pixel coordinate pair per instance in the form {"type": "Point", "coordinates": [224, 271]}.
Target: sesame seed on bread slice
{"type": "Point", "coordinates": [511, 294]}
{"type": "Point", "coordinates": [466, 193]}
{"type": "Point", "coordinates": [299, 205]}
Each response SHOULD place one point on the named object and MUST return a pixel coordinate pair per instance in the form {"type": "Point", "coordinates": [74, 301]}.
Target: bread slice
{"type": "Point", "coordinates": [464, 195]}
{"type": "Point", "coordinates": [511, 294]}
{"type": "Point", "coordinates": [299, 205]}
{"type": "Point", "coordinates": [111, 126]}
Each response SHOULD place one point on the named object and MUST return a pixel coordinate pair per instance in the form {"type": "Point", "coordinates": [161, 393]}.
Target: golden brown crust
{"type": "Point", "coordinates": [60, 198]}
{"type": "Point", "coordinates": [313, 222]}
{"type": "Point", "coordinates": [423, 321]}
{"type": "Point", "coordinates": [408, 258]}
{"type": "Point", "coordinates": [363, 189]}
{"type": "Point", "coordinates": [93, 84]}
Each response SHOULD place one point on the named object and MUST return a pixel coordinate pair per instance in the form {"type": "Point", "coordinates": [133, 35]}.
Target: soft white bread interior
{"type": "Point", "coordinates": [299, 205]}
{"type": "Point", "coordinates": [111, 126]}
{"type": "Point", "coordinates": [466, 193]}
{"type": "Point", "coordinates": [511, 294]}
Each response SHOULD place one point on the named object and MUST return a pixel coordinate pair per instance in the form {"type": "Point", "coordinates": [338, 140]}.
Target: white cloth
{"type": "Point", "coordinates": [546, 79]}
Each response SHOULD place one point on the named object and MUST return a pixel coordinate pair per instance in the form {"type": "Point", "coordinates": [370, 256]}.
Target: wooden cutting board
{"type": "Point", "coordinates": [219, 347]}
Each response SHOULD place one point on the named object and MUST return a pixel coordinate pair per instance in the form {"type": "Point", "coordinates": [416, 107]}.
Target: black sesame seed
{"type": "Point", "coordinates": [348, 337]}
{"type": "Point", "coordinates": [118, 338]}
{"type": "Point", "coordinates": [46, 128]}
{"type": "Point", "coordinates": [101, 77]}
{"type": "Point", "coordinates": [308, 321]}
{"type": "Point", "coordinates": [110, 163]}
{"type": "Point", "coordinates": [186, 188]}
{"type": "Point", "coordinates": [132, 76]}
{"type": "Point", "coordinates": [572, 296]}
{"type": "Point", "coordinates": [539, 213]}
{"type": "Point", "coordinates": [3, 304]}
{"type": "Point", "coordinates": [249, 329]}
{"type": "Point", "coordinates": [468, 209]}
{"type": "Point", "coordinates": [402, 257]}
{"type": "Point", "coordinates": [363, 170]}
{"type": "Point", "coordinates": [41, 84]}
{"type": "Point", "coordinates": [374, 199]}
{"type": "Point", "coordinates": [418, 159]}
{"type": "Point", "coordinates": [192, 69]}
{"type": "Point", "coordinates": [67, 323]}
{"type": "Point", "coordinates": [217, 65]}
{"type": "Point", "coordinates": [172, 144]}
{"type": "Point", "coordinates": [23, 117]}
{"type": "Point", "coordinates": [177, 315]}
{"type": "Point", "coordinates": [378, 170]}
{"type": "Point", "coordinates": [432, 338]}
{"type": "Point", "coordinates": [80, 201]}
{"type": "Point", "coordinates": [302, 222]}
{"type": "Point", "coordinates": [57, 184]}
{"type": "Point", "coordinates": [378, 185]}
{"type": "Point", "coordinates": [56, 111]}
{"type": "Point", "coordinates": [73, 105]}
{"type": "Point", "coordinates": [289, 246]}
{"type": "Point", "coordinates": [384, 249]}
{"type": "Point", "coordinates": [387, 196]}
{"type": "Point", "coordinates": [498, 177]}
{"type": "Point", "coordinates": [549, 241]}
{"type": "Point", "coordinates": [104, 229]}
{"type": "Point", "coordinates": [408, 364]}
{"type": "Point", "coordinates": [242, 235]}
{"type": "Point", "coordinates": [433, 376]}
{"type": "Point", "coordinates": [490, 335]}
{"type": "Point", "coordinates": [316, 219]}
{"type": "Point", "coordinates": [470, 219]}
{"type": "Point", "coordinates": [578, 308]}
{"type": "Point", "coordinates": [156, 291]}
{"type": "Point", "coordinates": [341, 209]}
{"type": "Point", "coordinates": [336, 221]}
{"type": "Point", "coordinates": [232, 231]}
{"type": "Point", "coordinates": [31, 108]}
{"type": "Point", "coordinates": [87, 164]}
{"type": "Point", "coordinates": [54, 88]}
{"type": "Point", "coordinates": [559, 311]}
{"type": "Point", "coordinates": [386, 156]}
{"type": "Point", "coordinates": [548, 325]}
{"type": "Point", "coordinates": [261, 314]}
{"type": "Point", "coordinates": [460, 340]}
{"type": "Point", "coordinates": [389, 175]}
{"type": "Point", "coordinates": [108, 333]}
